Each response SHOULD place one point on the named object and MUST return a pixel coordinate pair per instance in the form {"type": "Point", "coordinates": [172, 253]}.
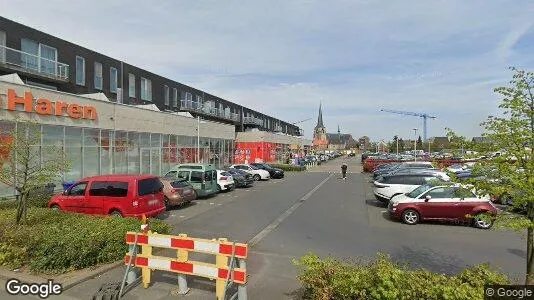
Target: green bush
{"type": "Point", "coordinates": [289, 168]}
{"type": "Point", "coordinates": [382, 279]}
{"type": "Point", "coordinates": [56, 242]}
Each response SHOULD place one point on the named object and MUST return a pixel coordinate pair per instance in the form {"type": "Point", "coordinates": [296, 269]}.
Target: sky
{"type": "Point", "coordinates": [283, 57]}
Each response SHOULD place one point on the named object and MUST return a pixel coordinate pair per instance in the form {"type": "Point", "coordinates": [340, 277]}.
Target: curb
{"type": "Point", "coordinates": [6, 275]}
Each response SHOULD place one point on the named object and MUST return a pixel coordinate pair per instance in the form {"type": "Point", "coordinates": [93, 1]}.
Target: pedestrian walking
{"type": "Point", "coordinates": [344, 170]}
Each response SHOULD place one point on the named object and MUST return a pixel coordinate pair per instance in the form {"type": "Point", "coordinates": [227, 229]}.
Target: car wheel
{"type": "Point", "coordinates": [257, 177]}
{"type": "Point", "coordinates": [166, 200]}
{"type": "Point", "coordinates": [481, 222]}
{"type": "Point", "coordinates": [116, 214]}
{"type": "Point", "coordinates": [410, 217]}
{"type": "Point", "coordinates": [55, 207]}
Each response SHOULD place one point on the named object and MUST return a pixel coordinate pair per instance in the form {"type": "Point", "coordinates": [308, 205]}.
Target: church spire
{"type": "Point", "coordinates": [320, 117]}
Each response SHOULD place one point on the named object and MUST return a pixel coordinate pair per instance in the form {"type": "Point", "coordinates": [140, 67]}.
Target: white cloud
{"type": "Point", "coordinates": [283, 57]}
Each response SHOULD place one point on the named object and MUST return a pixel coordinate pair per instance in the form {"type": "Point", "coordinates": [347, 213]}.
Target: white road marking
{"type": "Point", "coordinates": [285, 214]}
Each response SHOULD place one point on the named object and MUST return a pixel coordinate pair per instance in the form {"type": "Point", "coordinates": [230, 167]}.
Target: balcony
{"type": "Point", "coordinates": [277, 128]}
{"type": "Point", "coordinates": [252, 121]}
{"type": "Point", "coordinates": [207, 110]}
{"type": "Point", "coordinates": [32, 64]}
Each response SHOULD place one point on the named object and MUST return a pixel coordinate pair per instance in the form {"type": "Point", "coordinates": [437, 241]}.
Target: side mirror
{"type": "Point", "coordinates": [427, 197]}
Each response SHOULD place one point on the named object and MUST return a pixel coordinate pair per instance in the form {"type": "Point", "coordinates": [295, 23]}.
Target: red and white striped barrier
{"type": "Point", "coordinates": [189, 244]}
{"type": "Point", "coordinates": [189, 268]}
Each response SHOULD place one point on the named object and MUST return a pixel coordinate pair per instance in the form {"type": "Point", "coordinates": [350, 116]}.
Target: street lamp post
{"type": "Point", "coordinates": [397, 147]}
{"type": "Point", "coordinates": [415, 145]}
{"type": "Point", "coordinates": [198, 139]}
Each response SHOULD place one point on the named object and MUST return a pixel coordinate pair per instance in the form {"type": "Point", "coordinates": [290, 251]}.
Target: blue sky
{"type": "Point", "coordinates": [282, 58]}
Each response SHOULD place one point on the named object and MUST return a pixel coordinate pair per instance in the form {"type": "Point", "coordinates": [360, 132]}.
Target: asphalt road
{"type": "Point", "coordinates": [318, 212]}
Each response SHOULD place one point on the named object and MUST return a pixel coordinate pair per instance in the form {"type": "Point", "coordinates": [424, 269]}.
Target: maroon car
{"type": "Point", "coordinates": [449, 202]}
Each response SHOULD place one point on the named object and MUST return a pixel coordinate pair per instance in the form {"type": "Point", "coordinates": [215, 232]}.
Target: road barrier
{"type": "Point", "coordinates": [224, 272]}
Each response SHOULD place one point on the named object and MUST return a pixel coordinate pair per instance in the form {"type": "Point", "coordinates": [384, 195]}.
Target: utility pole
{"type": "Point", "coordinates": [415, 145]}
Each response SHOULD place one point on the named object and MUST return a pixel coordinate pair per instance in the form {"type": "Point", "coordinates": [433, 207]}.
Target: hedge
{"type": "Point", "coordinates": [56, 242]}
{"type": "Point", "coordinates": [288, 168]}
{"type": "Point", "coordinates": [382, 279]}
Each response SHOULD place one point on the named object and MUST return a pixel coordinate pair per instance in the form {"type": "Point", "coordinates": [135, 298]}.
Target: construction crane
{"type": "Point", "coordinates": [302, 121]}
{"type": "Point", "coordinates": [415, 114]}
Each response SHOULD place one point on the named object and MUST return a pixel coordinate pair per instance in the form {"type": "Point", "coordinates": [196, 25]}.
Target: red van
{"type": "Point", "coordinates": [116, 195]}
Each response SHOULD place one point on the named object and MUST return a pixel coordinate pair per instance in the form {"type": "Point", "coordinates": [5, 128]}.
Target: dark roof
{"type": "Point", "coordinates": [320, 118]}
{"type": "Point", "coordinates": [333, 138]}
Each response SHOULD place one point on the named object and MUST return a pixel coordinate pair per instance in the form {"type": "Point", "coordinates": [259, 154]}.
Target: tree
{"type": "Point", "coordinates": [401, 145]}
{"type": "Point", "coordinates": [419, 143]}
{"type": "Point", "coordinates": [511, 173]}
{"type": "Point", "coordinates": [27, 166]}
{"type": "Point", "coordinates": [393, 145]}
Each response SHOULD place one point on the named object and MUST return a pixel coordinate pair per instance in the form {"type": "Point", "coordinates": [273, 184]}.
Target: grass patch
{"type": "Point", "coordinates": [54, 242]}
{"type": "Point", "coordinates": [383, 279]}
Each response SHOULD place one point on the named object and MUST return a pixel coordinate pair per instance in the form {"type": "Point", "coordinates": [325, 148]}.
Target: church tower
{"type": "Point", "coordinates": [320, 140]}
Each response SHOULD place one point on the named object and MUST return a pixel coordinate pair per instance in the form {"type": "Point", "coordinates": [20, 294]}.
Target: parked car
{"type": "Point", "coordinates": [257, 174]}
{"type": "Point", "coordinates": [273, 172]}
{"type": "Point", "coordinates": [116, 195]}
{"type": "Point", "coordinates": [447, 202]}
{"type": "Point", "coordinates": [241, 178]}
{"type": "Point", "coordinates": [403, 166]}
{"type": "Point", "coordinates": [202, 177]}
{"type": "Point", "coordinates": [387, 187]}
{"type": "Point", "coordinates": [225, 181]}
{"type": "Point", "coordinates": [178, 192]}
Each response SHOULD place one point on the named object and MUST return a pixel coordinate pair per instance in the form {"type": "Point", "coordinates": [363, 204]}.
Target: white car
{"type": "Point", "coordinates": [257, 174]}
{"type": "Point", "coordinates": [387, 187]}
{"type": "Point", "coordinates": [225, 181]}
{"type": "Point", "coordinates": [457, 168]}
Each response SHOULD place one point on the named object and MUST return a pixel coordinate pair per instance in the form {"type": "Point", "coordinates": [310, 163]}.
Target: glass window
{"type": "Point", "coordinates": [183, 174]}
{"type": "Point", "coordinates": [30, 54]}
{"type": "Point", "coordinates": [78, 189]}
{"type": "Point", "coordinates": [120, 152]}
{"type": "Point", "coordinates": [80, 70]}
{"type": "Point", "coordinates": [155, 140]}
{"type": "Point", "coordinates": [105, 152]}
{"type": "Point", "coordinates": [171, 174]}
{"type": "Point", "coordinates": [149, 186]}
{"type": "Point", "coordinates": [155, 161]}
{"type": "Point", "coordinates": [52, 135]}
{"type": "Point", "coordinates": [48, 59]}
{"type": "Point", "coordinates": [91, 137]}
{"type": "Point", "coordinates": [180, 184]}
{"type": "Point", "coordinates": [209, 176]}
{"type": "Point", "coordinates": [133, 153]}
{"type": "Point", "coordinates": [74, 157]}
{"type": "Point", "coordinates": [175, 97]}
{"type": "Point", "coordinates": [166, 94]}
{"type": "Point", "coordinates": [73, 137]}
{"type": "Point", "coordinates": [91, 161]}
{"type": "Point", "coordinates": [463, 193]}
{"type": "Point", "coordinates": [109, 189]}
{"type": "Point", "coordinates": [146, 89]}
{"type": "Point", "coordinates": [144, 139]}
{"type": "Point", "coordinates": [99, 81]}
{"type": "Point", "coordinates": [440, 193]}
{"type": "Point", "coordinates": [131, 85]}
{"type": "Point", "coordinates": [113, 80]}
{"type": "Point", "coordinates": [196, 176]}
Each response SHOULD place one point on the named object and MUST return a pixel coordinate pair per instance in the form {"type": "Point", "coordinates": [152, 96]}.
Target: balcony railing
{"type": "Point", "coordinates": [35, 64]}
{"type": "Point", "coordinates": [208, 110]}
{"type": "Point", "coordinates": [253, 121]}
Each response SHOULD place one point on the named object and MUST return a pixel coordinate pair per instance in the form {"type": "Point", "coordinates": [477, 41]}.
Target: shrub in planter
{"type": "Point", "coordinates": [55, 242]}
{"type": "Point", "coordinates": [383, 279]}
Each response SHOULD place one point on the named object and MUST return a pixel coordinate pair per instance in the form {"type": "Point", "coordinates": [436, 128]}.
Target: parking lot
{"type": "Point", "coordinates": [318, 212]}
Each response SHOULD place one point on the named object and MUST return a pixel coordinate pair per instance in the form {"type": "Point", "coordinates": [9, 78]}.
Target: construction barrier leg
{"type": "Point", "coordinates": [133, 273]}
{"type": "Point", "coordinates": [146, 250]}
{"type": "Point", "coordinates": [182, 256]}
{"type": "Point", "coordinates": [220, 285]}
{"type": "Point", "coordinates": [242, 288]}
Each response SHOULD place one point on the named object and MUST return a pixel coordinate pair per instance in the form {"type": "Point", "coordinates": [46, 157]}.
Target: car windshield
{"type": "Point", "coordinates": [254, 168]}
{"type": "Point", "coordinates": [418, 191]}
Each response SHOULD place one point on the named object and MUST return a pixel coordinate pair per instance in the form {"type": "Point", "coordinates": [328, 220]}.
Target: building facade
{"type": "Point", "coordinates": [103, 137]}
{"type": "Point", "coordinates": [43, 60]}
{"type": "Point", "coordinates": [320, 139]}
{"type": "Point", "coordinates": [262, 146]}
